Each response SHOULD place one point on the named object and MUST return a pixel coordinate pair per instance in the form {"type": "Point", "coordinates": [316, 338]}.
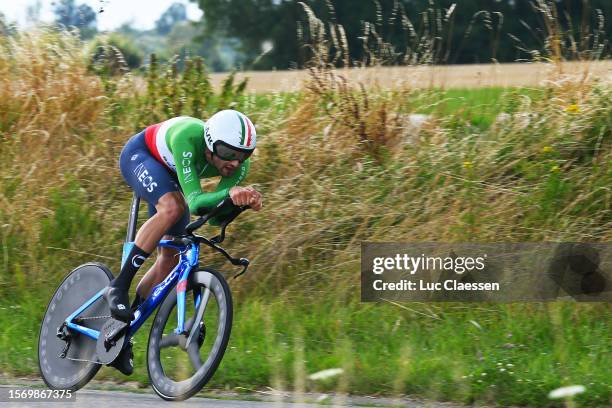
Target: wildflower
{"type": "Point", "coordinates": [573, 108]}
{"type": "Point", "coordinates": [546, 149]}
{"type": "Point", "coordinates": [468, 164]}
{"type": "Point", "coordinates": [565, 392]}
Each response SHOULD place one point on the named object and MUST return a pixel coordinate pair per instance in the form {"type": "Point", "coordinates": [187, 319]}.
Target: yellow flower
{"type": "Point", "coordinates": [573, 108]}
{"type": "Point", "coordinates": [468, 164]}
{"type": "Point", "coordinates": [546, 149]}
{"type": "Point", "coordinates": [554, 169]}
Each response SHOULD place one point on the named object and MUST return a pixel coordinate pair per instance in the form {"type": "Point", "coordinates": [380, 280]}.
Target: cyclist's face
{"type": "Point", "coordinates": [226, 167]}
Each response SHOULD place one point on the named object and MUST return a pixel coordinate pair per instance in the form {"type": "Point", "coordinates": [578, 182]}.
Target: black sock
{"type": "Point", "coordinates": [132, 263]}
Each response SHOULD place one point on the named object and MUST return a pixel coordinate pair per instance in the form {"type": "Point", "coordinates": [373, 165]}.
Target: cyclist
{"type": "Point", "coordinates": [163, 164]}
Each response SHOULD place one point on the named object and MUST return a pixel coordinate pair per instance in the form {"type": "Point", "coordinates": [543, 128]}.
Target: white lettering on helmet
{"type": "Point", "coordinates": [208, 137]}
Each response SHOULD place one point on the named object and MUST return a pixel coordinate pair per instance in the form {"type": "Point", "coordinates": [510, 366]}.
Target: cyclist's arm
{"type": "Point", "coordinates": [184, 153]}
{"type": "Point", "coordinates": [211, 199]}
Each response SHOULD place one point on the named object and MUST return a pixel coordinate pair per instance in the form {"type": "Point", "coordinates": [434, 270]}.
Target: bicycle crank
{"type": "Point", "coordinates": [111, 340]}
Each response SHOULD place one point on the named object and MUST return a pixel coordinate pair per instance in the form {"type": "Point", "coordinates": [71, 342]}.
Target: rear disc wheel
{"type": "Point", "coordinates": [76, 289]}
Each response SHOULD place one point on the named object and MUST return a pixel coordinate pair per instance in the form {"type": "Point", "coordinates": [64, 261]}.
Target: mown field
{"type": "Point", "coordinates": [447, 77]}
{"type": "Point", "coordinates": [337, 166]}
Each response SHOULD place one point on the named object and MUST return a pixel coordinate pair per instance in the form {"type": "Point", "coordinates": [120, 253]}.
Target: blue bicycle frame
{"type": "Point", "coordinates": [189, 253]}
{"type": "Point", "coordinates": [187, 262]}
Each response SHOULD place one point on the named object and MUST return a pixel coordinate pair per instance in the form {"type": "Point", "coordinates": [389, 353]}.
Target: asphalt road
{"type": "Point", "coordinates": [89, 398]}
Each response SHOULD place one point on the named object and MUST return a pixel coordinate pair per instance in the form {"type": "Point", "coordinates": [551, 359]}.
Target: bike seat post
{"type": "Point", "coordinates": [131, 227]}
{"type": "Point", "coordinates": [133, 219]}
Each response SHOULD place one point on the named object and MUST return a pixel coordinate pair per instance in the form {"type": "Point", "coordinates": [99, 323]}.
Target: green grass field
{"type": "Point", "coordinates": [472, 353]}
{"type": "Point", "coordinates": [480, 106]}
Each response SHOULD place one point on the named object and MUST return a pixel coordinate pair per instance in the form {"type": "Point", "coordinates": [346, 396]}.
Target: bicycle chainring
{"type": "Point", "coordinates": [111, 340]}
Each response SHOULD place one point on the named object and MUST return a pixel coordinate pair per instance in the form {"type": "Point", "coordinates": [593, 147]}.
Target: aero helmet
{"type": "Point", "coordinates": [230, 135]}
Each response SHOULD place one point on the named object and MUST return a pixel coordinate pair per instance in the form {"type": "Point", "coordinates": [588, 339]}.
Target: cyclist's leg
{"type": "Point", "coordinates": [169, 210]}
{"type": "Point", "coordinates": [154, 183]}
{"type": "Point", "coordinates": [166, 259]}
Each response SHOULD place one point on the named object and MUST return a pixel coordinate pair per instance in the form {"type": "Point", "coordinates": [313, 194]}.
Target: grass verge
{"type": "Point", "coordinates": [481, 353]}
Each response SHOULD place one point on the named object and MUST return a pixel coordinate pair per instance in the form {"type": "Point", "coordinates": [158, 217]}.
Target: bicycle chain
{"type": "Point", "coordinates": [82, 359]}
{"type": "Point", "coordinates": [93, 317]}
{"type": "Point", "coordinates": [88, 318]}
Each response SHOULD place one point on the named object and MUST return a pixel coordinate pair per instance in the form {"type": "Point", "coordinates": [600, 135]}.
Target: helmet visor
{"type": "Point", "coordinates": [228, 153]}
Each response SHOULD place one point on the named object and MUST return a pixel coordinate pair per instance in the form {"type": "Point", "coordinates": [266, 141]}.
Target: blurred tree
{"type": "Point", "coordinates": [266, 28]}
{"type": "Point", "coordinates": [114, 53]}
{"type": "Point", "coordinates": [174, 14]}
{"type": "Point", "coordinates": [33, 12]}
{"type": "Point", "coordinates": [68, 14]}
{"type": "Point", "coordinates": [4, 26]}
{"type": "Point", "coordinates": [462, 32]}
{"type": "Point", "coordinates": [184, 40]}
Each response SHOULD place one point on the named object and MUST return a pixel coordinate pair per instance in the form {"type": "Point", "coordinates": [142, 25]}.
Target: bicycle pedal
{"type": "Point", "coordinates": [111, 340]}
{"type": "Point", "coordinates": [113, 328]}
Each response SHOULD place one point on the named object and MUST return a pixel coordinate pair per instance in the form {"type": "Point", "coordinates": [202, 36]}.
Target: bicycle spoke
{"type": "Point", "coordinates": [194, 356]}
{"type": "Point", "coordinates": [190, 358]}
{"type": "Point", "coordinates": [188, 324]}
{"type": "Point", "coordinates": [198, 317]}
{"type": "Point", "coordinates": [170, 340]}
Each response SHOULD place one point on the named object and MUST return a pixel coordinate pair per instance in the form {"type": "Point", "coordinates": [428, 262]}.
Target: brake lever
{"type": "Point", "coordinates": [245, 263]}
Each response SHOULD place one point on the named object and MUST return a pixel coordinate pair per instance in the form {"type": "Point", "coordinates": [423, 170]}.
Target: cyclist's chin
{"type": "Point", "coordinates": [227, 171]}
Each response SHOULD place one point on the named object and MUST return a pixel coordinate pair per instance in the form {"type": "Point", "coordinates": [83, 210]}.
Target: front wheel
{"type": "Point", "coordinates": [180, 364]}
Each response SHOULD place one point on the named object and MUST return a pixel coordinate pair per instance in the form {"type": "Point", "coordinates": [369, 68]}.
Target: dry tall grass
{"type": "Point", "coordinates": [53, 134]}
{"type": "Point", "coordinates": [344, 166]}
{"type": "Point", "coordinates": [351, 168]}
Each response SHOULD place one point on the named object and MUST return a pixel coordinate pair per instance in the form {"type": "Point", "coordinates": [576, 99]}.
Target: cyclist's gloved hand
{"type": "Point", "coordinates": [246, 196]}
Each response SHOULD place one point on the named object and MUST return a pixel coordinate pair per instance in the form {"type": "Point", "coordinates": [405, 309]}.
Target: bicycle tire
{"type": "Point", "coordinates": [164, 386]}
{"type": "Point", "coordinates": [82, 283]}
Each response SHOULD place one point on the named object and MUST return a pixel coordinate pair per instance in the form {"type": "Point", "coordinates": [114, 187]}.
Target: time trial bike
{"type": "Point", "coordinates": [188, 336]}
